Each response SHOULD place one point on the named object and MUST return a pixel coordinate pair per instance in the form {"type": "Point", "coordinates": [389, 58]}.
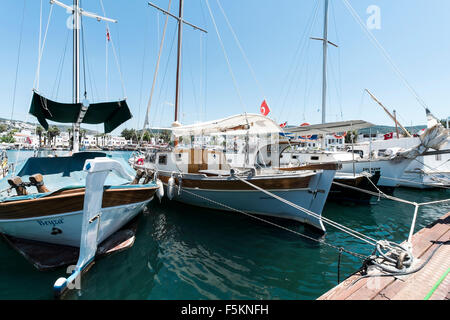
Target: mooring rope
{"type": "Point", "coordinates": [340, 249]}
{"type": "Point", "coordinates": [341, 227]}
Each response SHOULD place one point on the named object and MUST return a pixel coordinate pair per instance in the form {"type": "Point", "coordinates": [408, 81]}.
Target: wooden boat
{"type": "Point", "coordinates": [77, 200]}
{"type": "Point", "coordinates": [55, 216]}
{"type": "Point", "coordinates": [210, 177]}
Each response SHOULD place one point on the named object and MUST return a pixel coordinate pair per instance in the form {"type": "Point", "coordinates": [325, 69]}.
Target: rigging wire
{"type": "Point", "coordinates": [226, 56]}
{"type": "Point", "coordinates": [293, 72]}
{"type": "Point", "coordinates": [385, 54]}
{"type": "Point", "coordinates": [115, 54]}
{"type": "Point", "coordinates": [59, 71]}
{"type": "Point", "coordinates": [143, 69]}
{"type": "Point", "coordinates": [18, 59]}
{"type": "Point", "coordinates": [41, 49]}
{"type": "Point", "coordinates": [155, 76]}
{"type": "Point", "coordinates": [83, 47]}
{"type": "Point", "coordinates": [339, 69]}
{"type": "Point", "coordinates": [241, 49]}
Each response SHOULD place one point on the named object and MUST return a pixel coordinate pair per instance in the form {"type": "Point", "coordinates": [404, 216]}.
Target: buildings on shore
{"type": "Point", "coordinates": [23, 135]}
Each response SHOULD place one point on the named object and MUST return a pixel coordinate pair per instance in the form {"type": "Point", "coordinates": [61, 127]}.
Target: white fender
{"type": "Point", "coordinates": [160, 190]}
{"type": "Point", "coordinates": [171, 188]}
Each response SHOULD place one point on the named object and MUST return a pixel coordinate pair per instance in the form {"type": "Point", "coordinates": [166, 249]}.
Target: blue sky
{"type": "Point", "coordinates": [414, 32]}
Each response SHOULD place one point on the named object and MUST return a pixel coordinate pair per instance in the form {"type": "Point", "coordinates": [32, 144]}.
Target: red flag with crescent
{"type": "Point", "coordinates": [389, 136]}
{"type": "Point", "coordinates": [264, 108]}
{"type": "Point", "coordinates": [107, 35]}
{"type": "Point", "coordinates": [283, 125]}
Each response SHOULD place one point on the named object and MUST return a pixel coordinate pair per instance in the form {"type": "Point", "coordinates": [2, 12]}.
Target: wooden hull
{"type": "Point", "coordinates": [57, 218]}
{"type": "Point", "coordinates": [230, 184]}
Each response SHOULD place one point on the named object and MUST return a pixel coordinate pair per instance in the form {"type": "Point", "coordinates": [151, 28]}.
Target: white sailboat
{"type": "Point", "coordinates": [390, 168]}
{"type": "Point", "coordinates": [78, 200]}
{"type": "Point", "coordinates": [227, 164]}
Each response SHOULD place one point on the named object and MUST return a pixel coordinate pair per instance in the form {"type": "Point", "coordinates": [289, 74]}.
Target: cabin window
{"type": "Point", "coordinates": [315, 158]}
{"type": "Point", "coordinates": [162, 159]}
{"type": "Point", "coordinates": [178, 157]}
{"type": "Point", "coordinates": [439, 157]}
{"type": "Point", "coordinates": [294, 157]}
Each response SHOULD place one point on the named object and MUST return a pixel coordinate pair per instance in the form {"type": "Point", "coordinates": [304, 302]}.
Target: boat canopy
{"type": "Point", "coordinates": [111, 114]}
{"type": "Point", "coordinates": [235, 125]}
{"type": "Point", "coordinates": [331, 128]}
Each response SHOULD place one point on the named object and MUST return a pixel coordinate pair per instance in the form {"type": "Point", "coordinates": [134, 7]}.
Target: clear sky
{"type": "Point", "coordinates": [413, 32]}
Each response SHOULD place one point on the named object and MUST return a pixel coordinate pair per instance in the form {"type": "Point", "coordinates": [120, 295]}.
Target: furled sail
{"type": "Point", "coordinates": [111, 114]}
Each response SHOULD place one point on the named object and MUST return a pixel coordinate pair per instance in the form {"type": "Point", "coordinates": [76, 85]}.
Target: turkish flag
{"type": "Point", "coordinates": [389, 136]}
{"type": "Point", "coordinates": [107, 35]}
{"type": "Point", "coordinates": [283, 125]}
{"type": "Point", "coordinates": [264, 108]}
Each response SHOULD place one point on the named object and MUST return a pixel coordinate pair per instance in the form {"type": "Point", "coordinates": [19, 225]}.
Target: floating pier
{"type": "Point", "coordinates": [432, 282]}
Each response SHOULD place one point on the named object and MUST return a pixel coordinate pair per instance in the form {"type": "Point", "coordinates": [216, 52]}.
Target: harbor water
{"type": "Point", "coordinates": [184, 252]}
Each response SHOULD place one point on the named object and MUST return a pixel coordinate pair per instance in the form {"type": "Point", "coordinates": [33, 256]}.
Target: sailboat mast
{"type": "Point", "coordinates": [325, 53]}
{"type": "Point", "coordinates": [180, 43]}
{"type": "Point", "coordinates": [76, 69]}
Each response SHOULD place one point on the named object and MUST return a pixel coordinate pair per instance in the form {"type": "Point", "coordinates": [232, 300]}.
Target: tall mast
{"type": "Point", "coordinates": [77, 13]}
{"type": "Point", "coordinates": [325, 53]}
{"type": "Point", "coordinates": [180, 44]}
{"type": "Point", "coordinates": [181, 21]}
{"type": "Point", "coordinates": [76, 70]}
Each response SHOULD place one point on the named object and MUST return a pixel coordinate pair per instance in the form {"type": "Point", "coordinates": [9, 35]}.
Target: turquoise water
{"type": "Point", "coordinates": [184, 252]}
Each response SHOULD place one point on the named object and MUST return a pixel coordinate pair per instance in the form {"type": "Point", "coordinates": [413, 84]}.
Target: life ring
{"type": "Point", "coordinates": [305, 125]}
{"type": "Point", "coordinates": [140, 161]}
{"type": "Point", "coordinates": [340, 137]}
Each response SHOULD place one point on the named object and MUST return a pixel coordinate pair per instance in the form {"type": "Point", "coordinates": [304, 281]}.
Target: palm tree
{"type": "Point", "coordinates": [39, 132]}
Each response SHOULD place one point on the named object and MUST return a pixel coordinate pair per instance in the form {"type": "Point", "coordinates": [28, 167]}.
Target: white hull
{"type": "Point", "coordinates": [259, 203]}
{"type": "Point", "coordinates": [41, 229]}
{"type": "Point", "coordinates": [391, 171]}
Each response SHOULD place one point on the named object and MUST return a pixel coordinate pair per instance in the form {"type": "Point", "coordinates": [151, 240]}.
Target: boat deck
{"type": "Point", "coordinates": [432, 282]}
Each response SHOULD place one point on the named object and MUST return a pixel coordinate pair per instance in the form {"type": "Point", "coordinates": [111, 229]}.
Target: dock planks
{"type": "Point", "coordinates": [411, 287]}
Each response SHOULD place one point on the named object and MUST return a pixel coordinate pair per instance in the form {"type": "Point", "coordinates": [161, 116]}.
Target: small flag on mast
{"type": "Point", "coordinates": [283, 125]}
{"type": "Point", "coordinates": [264, 108]}
{"type": "Point", "coordinates": [107, 35]}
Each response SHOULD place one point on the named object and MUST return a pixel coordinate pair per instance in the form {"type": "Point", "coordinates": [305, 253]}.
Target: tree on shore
{"type": "Point", "coordinates": [39, 132]}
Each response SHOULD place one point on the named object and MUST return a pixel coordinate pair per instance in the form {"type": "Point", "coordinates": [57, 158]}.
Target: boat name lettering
{"type": "Point", "coordinates": [50, 222]}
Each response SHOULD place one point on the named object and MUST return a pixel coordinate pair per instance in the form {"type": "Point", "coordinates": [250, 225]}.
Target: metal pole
{"type": "Point", "coordinates": [180, 43]}
{"type": "Point", "coordinates": [396, 126]}
{"type": "Point", "coordinates": [325, 52]}
{"type": "Point", "coordinates": [76, 68]}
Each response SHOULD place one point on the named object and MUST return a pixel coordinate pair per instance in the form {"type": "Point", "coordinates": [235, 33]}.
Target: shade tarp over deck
{"type": "Point", "coordinates": [235, 125]}
{"type": "Point", "coordinates": [111, 114]}
{"type": "Point", "coordinates": [331, 128]}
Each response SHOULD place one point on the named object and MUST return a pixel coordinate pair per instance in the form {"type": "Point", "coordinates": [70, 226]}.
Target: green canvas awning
{"type": "Point", "coordinates": [111, 114]}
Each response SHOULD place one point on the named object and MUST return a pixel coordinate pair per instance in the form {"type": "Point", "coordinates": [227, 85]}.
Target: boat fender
{"type": "Point", "coordinates": [180, 183]}
{"type": "Point", "coordinates": [160, 190]}
{"type": "Point", "coordinates": [171, 188]}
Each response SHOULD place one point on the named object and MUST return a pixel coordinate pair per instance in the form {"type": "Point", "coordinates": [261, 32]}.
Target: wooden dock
{"type": "Point", "coordinates": [432, 282]}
